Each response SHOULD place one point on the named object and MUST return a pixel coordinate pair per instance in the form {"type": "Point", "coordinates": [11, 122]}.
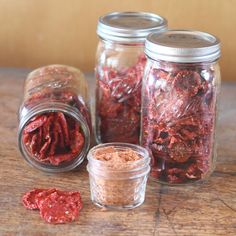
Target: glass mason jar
{"type": "Point", "coordinates": [179, 103]}
{"type": "Point", "coordinates": [120, 62]}
{"type": "Point", "coordinates": [54, 119]}
{"type": "Point", "coordinates": [118, 183]}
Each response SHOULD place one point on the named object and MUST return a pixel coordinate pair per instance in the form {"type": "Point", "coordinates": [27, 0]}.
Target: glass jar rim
{"type": "Point", "coordinates": [132, 167]}
{"type": "Point", "coordinates": [144, 154]}
{"type": "Point", "coordinates": [57, 107]}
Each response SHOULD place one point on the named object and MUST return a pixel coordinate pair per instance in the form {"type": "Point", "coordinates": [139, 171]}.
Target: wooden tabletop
{"type": "Point", "coordinates": [206, 209]}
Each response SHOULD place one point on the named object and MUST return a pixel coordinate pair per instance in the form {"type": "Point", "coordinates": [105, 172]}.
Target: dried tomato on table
{"type": "Point", "coordinates": [55, 206]}
{"type": "Point", "coordinates": [118, 103]}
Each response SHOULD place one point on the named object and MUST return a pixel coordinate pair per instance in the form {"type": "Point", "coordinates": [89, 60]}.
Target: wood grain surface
{"type": "Point", "coordinates": [206, 209]}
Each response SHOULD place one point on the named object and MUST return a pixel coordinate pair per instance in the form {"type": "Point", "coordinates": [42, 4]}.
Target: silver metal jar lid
{"type": "Point", "coordinates": [129, 26]}
{"type": "Point", "coordinates": [184, 46]}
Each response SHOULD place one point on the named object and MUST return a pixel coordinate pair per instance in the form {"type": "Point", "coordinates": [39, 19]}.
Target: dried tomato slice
{"type": "Point", "coordinates": [29, 199]}
{"type": "Point", "coordinates": [44, 149]}
{"type": "Point", "coordinates": [42, 195]}
{"type": "Point", "coordinates": [55, 206]}
{"type": "Point", "coordinates": [63, 122]}
{"type": "Point", "coordinates": [193, 172]}
{"type": "Point", "coordinates": [175, 175]}
{"type": "Point", "coordinates": [59, 209]}
{"type": "Point", "coordinates": [33, 144]}
{"type": "Point", "coordinates": [187, 82]}
{"type": "Point", "coordinates": [54, 142]}
{"type": "Point", "coordinates": [73, 197]}
{"type": "Point", "coordinates": [59, 158]}
{"type": "Point", "coordinates": [37, 122]}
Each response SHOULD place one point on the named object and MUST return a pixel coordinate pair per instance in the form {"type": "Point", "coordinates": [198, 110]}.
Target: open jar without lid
{"type": "Point", "coordinates": [54, 119]}
{"type": "Point", "coordinates": [179, 105]}
{"type": "Point", "coordinates": [120, 62]}
{"type": "Point", "coordinates": [118, 174]}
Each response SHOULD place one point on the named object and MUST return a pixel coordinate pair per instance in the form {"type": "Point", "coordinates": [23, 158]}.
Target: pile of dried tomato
{"type": "Point", "coordinates": [54, 137]}
{"type": "Point", "coordinates": [55, 206]}
{"type": "Point", "coordinates": [118, 103]}
{"type": "Point", "coordinates": [178, 121]}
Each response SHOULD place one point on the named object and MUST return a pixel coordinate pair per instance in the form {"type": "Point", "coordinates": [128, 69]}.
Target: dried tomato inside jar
{"type": "Point", "coordinates": [120, 63]}
{"type": "Point", "coordinates": [54, 119]}
{"type": "Point", "coordinates": [179, 103]}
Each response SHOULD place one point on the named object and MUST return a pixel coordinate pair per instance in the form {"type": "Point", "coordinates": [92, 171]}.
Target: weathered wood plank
{"type": "Point", "coordinates": [207, 209]}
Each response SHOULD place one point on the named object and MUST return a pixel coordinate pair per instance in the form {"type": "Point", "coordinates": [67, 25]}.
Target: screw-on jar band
{"type": "Point", "coordinates": [129, 26]}
{"type": "Point", "coordinates": [184, 46]}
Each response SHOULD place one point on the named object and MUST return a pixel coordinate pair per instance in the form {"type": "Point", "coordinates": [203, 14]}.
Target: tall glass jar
{"type": "Point", "coordinates": [179, 105]}
{"type": "Point", "coordinates": [54, 119]}
{"type": "Point", "coordinates": [120, 63]}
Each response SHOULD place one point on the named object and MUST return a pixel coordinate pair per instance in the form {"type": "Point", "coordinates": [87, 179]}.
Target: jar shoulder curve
{"type": "Point", "coordinates": [117, 55]}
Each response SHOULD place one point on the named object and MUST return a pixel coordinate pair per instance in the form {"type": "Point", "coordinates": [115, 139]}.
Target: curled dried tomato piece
{"type": "Point", "coordinates": [77, 139]}
{"type": "Point", "coordinates": [175, 175]}
{"type": "Point", "coordinates": [63, 122]}
{"type": "Point", "coordinates": [36, 123]}
{"type": "Point", "coordinates": [59, 158]}
{"type": "Point", "coordinates": [54, 142]}
{"type": "Point", "coordinates": [57, 140]}
{"type": "Point", "coordinates": [33, 145]}
{"type": "Point", "coordinates": [193, 172]}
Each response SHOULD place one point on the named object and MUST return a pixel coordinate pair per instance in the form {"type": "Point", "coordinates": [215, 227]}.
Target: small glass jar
{"type": "Point", "coordinates": [54, 119]}
{"type": "Point", "coordinates": [179, 105]}
{"type": "Point", "coordinates": [120, 62]}
{"type": "Point", "coordinates": [118, 185]}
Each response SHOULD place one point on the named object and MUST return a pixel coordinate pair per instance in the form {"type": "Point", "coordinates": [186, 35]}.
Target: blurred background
{"type": "Point", "coordinates": [40, 32]}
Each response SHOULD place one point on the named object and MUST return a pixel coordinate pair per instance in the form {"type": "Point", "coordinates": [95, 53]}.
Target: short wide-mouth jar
{"type": "Point", "coordinates": [118, 175]}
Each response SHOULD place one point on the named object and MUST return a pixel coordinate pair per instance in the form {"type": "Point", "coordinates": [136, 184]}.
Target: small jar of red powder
{"type": "Point", "coordinates": [179, 106]}
{"type": "Point", "coordinates": [54, 119]}
{"type": "Point", "coordinates": [120, 63]}
{"type": "Point", "coordinates": [118, 175]}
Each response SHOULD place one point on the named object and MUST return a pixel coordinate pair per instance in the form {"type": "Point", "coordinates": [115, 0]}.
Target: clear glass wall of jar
{"type": "Point", "coordinates": [179, 105]}
{"type": "Point", "coordinates": [54, 119]}
{"type": "Point", "coordinates": [120, 62]}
